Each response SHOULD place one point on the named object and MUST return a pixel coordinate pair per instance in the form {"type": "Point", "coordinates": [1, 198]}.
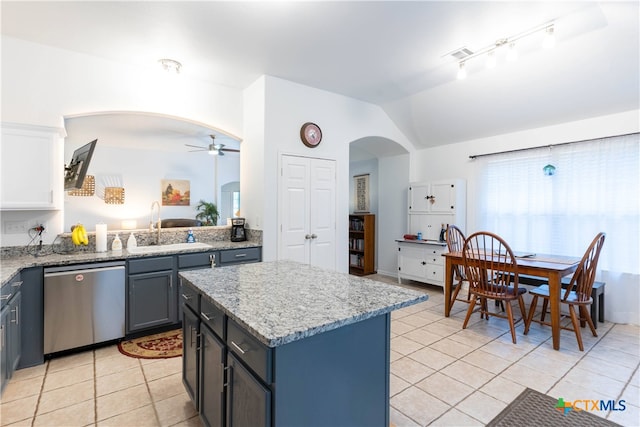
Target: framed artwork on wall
{"type": "Point", "coordinates": [361, 189]}
{"type": "Point", "coordinates": [175, 192]}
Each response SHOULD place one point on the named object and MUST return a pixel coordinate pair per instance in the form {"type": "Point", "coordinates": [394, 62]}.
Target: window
{"type": "Point", "coordinates": [595, 188]}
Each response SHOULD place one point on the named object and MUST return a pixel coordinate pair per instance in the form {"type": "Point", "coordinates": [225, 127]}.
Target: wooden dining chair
{"type": "Point", "coordinates": [491, 269]}
{"type": "Point", "coordinates": [455, 243]}
{"type": "Point", "coordinates": [577, 294]}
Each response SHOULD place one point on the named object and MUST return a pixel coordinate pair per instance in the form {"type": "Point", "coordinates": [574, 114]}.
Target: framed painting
{"type": "Point", "coordinates": [361, 189]}
{"type": "Point", "coordinates": [175, 192]}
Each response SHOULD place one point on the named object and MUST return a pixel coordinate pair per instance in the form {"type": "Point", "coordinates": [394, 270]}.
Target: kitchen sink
{"type": "Point", "coordinates": [175, 247]}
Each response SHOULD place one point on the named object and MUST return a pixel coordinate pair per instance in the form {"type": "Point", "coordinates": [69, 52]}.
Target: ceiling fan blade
{"type": "Point", "coordinates": [220, 153]}
{"type": "Point", "coordinates": [196, 146]}
{"type": "Point", "coordinates": [230, 150]}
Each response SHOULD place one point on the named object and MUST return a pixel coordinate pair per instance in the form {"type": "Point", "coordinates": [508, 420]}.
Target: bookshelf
{"type": "Point", "coordinates": [362, 244]}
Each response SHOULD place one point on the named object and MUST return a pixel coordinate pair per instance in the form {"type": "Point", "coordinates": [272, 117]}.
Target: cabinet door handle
{"type": "Point", "coordinates": [187, 297]}
{"type": "Point", "coordinates": [17, 312]}
{"type": "Point", "coordinates": [17, 284]}
{"type": "Point", "coordinates": [5, 297]}
{"type": "Point", "coordinates": [238, 348]}
{"type": "Point", "coordinates": [205, 317]}
{"type": "Point", "coordinates": [1, 337]}
{"type": "Point", "coordinates": [191, 331]}
{"type": "Point", "coordinates": [212, 259]}
{"type": "Point", "coordinates": [423, 262]}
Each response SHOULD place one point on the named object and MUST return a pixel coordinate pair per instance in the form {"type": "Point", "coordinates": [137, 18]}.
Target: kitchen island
{"type": "Point", "coordinates": [286, 344]}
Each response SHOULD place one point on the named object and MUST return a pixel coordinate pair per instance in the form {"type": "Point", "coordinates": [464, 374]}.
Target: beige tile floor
{"type": "Point", "coordinates": [441, 375]}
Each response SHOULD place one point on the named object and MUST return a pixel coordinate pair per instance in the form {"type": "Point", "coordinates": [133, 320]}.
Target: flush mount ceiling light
{"type": "Point", "coordinates": [170, 65]}
{"type": "Point", "coordinates": [463, 55]}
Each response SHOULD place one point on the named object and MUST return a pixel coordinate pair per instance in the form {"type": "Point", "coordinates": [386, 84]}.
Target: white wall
{"type": "Point", "coordinates": [275, 130]}
{"type": "Point", "coordinates": [393, 182]}
{"type": "Point", "coordinates": [42, 85]}
{"type": "Point", "coordinates": [622, 292]}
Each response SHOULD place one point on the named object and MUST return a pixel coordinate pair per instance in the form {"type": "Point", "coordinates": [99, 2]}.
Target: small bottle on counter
{"type": "Point", "coordinates": [419, 237]}
{"type": "Point", "coordinates": [132, 242]}
{"type": "Point", "coordinates": [116, 245]}
{"type": "Point", "coordinates": [190, 237]}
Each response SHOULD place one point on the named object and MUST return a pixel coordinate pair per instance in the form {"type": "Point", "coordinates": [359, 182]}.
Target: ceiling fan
{"type": "Point", "coordinates": [213, 148]}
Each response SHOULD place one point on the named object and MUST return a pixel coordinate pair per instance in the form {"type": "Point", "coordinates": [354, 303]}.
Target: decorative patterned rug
{"type": "Point", "coordinates": [158, 346]}
{"type": "Point", "coordinates": [532, 408]}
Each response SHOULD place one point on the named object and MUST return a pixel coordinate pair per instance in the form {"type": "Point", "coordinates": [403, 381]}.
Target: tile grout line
{"type": "Point", "coordinates": [95, 389]}
{"type": "Point", "coordinates": [146, 384]}
{"type": "Point", "coordinates": [44, 378]}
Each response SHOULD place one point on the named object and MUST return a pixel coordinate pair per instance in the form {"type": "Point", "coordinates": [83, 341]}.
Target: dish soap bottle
{"type": "Point", "coordinates": [116, 245]}
{"type": "Point", "coordinates": [132, 242]}
{"type": "Point", "coordinates": [190, 237]}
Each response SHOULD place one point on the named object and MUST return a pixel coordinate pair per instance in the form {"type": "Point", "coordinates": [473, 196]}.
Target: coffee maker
{"type": "Point", "coordinates": [238, 233]}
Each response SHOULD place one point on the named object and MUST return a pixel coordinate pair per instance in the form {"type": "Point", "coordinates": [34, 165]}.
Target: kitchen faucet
{"type": "Point", "coordinates": [159, 224]}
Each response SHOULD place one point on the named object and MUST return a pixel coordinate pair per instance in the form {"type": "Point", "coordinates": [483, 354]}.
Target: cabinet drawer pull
{"type": "Point", "coordinates": [17, 312]}
{"type": "Point", "coordinates": [241, 255]}
{"type": "Point", "coordinates": [238, 348]}
{"type": "Point", "coordinates": [205, 317]}
{"type": "Point", "coordinates": [17, 284]}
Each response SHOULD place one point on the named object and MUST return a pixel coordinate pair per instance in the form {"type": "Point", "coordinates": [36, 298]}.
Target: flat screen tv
{"type": "Point", "coordinates": [76, 171]}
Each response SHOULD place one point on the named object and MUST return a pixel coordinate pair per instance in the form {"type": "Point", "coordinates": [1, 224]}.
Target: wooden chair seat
{"type": "Point", "coordinates": [578, 293]}
{"type": "Point", "coordinates": [488, 263]}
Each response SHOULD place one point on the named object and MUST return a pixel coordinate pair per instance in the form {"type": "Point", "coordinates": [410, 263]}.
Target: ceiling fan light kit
{"type": "Point", "coordinates": [213, 149]}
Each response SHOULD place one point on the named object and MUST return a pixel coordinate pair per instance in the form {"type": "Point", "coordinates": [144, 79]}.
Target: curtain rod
{"type": "Point", "coordinates": [549, 146]}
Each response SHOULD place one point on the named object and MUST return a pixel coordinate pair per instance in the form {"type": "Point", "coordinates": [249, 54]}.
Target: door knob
{"type": "Point", "coordinates": [307, 236]}
{"type": "Point", "coordinates": [313, 236]}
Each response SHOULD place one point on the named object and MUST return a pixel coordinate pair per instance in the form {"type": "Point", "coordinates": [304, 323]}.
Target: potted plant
{"type": "Point", "coordinates": [207, 213]}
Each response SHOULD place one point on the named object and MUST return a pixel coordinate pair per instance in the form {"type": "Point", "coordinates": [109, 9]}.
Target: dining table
{"type": "Point", "coordinates": [551, 267]}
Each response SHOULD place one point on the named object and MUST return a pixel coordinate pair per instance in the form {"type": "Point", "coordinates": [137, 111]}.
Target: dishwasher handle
{"type": "Point", "coordinates": [85, 271]}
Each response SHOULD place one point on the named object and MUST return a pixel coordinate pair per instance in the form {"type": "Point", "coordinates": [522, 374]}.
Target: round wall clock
{"type": "Point", "coordinates": [310, 134]}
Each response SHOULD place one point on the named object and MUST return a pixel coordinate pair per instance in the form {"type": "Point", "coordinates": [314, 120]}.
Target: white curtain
{"type": "Point", "coordinates": [596, 187]}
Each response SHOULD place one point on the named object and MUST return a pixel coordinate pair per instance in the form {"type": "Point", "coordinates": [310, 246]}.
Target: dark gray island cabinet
{"type": "Point", "coordinates": [286, 344]}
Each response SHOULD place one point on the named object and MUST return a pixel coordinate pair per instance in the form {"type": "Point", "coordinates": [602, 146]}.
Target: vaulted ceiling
{"type": "Point", "coordinates": [389, 53]}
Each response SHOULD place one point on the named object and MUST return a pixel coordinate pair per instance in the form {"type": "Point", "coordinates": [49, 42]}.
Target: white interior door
{"type": "Point", "coordinates": [307, 211]}
{"type": "Point", "coordinates": [323, 213]}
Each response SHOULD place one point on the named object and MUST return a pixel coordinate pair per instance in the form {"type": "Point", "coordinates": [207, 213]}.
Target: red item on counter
{"type": "Point", "coordinates": [410, 237]}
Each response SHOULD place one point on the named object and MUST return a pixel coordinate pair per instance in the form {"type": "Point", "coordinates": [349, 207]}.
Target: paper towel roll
{"type": "Point", "coordinates": [101, 237]}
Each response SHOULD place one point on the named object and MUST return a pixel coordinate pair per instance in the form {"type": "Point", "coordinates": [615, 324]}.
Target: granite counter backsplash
{"type": "Point", "coordinates": [63, 245]}
{"type": "Point", "coordinates": [62, 252]}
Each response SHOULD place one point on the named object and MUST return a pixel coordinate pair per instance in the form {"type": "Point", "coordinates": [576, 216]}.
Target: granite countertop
{"type": "Point", "coordinates": [9, 266]}
{"type": "Point", "coordinates": [284, 301]}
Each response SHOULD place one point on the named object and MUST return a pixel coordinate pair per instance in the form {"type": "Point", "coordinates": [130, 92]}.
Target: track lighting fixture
{"type": "Point", "coordinates": [462, 72]}
{"type": "Point", "coordinates": [464, 54]}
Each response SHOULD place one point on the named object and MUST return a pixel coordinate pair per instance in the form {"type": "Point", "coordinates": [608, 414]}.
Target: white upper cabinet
{"type": "Point", "coordinates": [32, 171]}
{"type": "Point", "coordinates": [434, 197]}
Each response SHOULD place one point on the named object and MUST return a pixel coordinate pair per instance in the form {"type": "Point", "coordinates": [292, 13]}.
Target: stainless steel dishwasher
{"type": "Point", "coordinates": [83, 305]}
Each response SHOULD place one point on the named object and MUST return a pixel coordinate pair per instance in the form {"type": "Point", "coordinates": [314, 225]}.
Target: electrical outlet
{"type": "Point", "coordinates": [15, 227]}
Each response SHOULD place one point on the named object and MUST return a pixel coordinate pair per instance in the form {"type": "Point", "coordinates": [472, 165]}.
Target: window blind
{"type": "Point", "coordinates": [596, 187]}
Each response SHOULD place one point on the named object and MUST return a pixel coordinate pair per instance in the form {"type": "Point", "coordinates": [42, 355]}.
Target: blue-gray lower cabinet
{"type": "Point", "coordinates": [211, 377]}
{"type": "Point", "coordinates": [190, 353]}
{"type": "Point", "coordinates": [32, 317]}
{"type": "Point", "coordinates": [152, 293]}
{"type": "Point", "coordinates": [248, 401]}
{"type": "Point", "coordinates": [339, 377]}
{"type": "Point", "coordinates": [10, 329]}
